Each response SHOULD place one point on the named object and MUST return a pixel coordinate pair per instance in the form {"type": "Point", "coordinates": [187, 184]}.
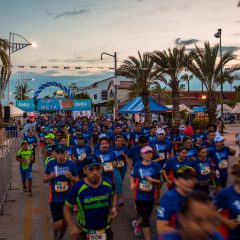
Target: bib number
{"type": "Point", "coordinates": [97, 235]}
{"type": "Point", "coordinates": [108, 166]}
{"type": "Point", "coordinates": [205, 171]}
{"type": "Point", "coordinates": [120, 164]}
{"type": "Point", "coordinates": [61, 187]}
{"type": "Point", "coordinates": [145, 186]}
{"type": "Point", "coordinates": [223, 164]}
{"type": "Point", "coordinates": [82, 156]}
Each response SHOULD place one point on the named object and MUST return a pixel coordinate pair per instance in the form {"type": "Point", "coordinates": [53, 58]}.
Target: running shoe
{"type": "Point", "coordinates": [138, 231]}
{"type": "Point", "coordinates": [29, 192]}
{"type": "Point", "coordinates": [120, 202]}
{"type": "Point", "coordinates": [135, 223]}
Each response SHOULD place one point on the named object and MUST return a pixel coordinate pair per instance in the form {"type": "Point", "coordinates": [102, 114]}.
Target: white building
{"type": "Point", "coordinates": [103, 91]}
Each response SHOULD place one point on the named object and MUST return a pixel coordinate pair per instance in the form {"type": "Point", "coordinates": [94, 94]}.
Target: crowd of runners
{"type": "Point", "coordinates": [87, 160]}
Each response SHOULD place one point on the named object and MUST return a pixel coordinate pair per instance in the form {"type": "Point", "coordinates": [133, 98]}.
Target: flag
{"type": "Point", "coordinates": [217, 35]}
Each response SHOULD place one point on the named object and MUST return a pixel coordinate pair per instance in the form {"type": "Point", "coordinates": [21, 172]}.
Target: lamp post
{"type": "Point", "coordinates": [115, 108]}
{"type": "Point", "coordinates": [14, 47]}
{"type": "Point", "coordinates": [218, 34]}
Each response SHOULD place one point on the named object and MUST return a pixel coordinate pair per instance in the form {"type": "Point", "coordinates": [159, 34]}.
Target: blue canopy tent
{"type": "Point", "coordinates": [136, 106]}
{"type": "Point", "coordinates": [199, 109]}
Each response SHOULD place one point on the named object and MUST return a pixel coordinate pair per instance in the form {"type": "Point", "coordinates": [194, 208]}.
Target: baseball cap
{"type": "Point", "coordinates": [24, 141]}
{"type": "Point", "coordinates": [185, 172]}
{"type": "Point", "coordinates": [146, 149]}
{"type": "Point", "coordinates": [160, 131]}
{"type": "Point", "coordinates": [80, 137]}
{"type": "Point", "coordinates": [92, 160]}
{"type": "Point", "coordinates": [182, 128]}
{"type": "Point", "coordinates": [219, 138]}
{"type": "Point", "coordinates": [60, 149]}
{"type": "Point", "coordinates": [50, 136]}
{"type": "Point", "coordinates": [102, 136]}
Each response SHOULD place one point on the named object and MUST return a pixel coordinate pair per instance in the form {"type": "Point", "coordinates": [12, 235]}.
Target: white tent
{"type": "Point", "coordinates": [226, 108]}
{"type": "Point", "coordinates": [182, 107]}
{"type": "Point", "coordinates": [236, 108]}
{"type": "Point", "coordinates": [15, 111]}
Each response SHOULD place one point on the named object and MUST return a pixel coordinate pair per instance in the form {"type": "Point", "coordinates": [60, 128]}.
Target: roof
{"type": "Point", "coordinates": [236, 108]}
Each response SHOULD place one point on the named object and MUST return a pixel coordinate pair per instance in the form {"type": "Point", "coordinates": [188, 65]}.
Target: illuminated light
{"type": "Point", "coordinates": [34, 44]}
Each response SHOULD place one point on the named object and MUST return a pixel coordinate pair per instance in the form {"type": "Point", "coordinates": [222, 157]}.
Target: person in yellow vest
{"type": "Point", "coordinates": [25, 157]}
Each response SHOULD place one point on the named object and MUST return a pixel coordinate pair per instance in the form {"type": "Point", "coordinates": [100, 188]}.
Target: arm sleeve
{"type": "Point", "coordinates": [72, 195]}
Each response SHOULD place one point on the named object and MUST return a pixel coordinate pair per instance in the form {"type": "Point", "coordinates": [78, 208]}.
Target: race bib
{"type": "Point", "coordinates": [82, 156]}
{"type": "Point", "coordinates": [108, 166]}
{"type": "Point", "coordinates": [61, 186]}
{"type": "Point", "coordinates": [223, 164]}
{"type": "Point", "coordinates": [120, 164]}
{"type": "Point", "coordinates": [205, 171]}
{"type": "Point", "coordinates": [97, 235]}
{"type": "Point", "coordinates": [145, 186]}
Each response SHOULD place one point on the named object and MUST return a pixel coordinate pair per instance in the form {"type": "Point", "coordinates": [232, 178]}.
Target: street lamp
{"type": "Point", "coordinates": [219, 35]}
{"type": "Point", "coordinates": [115, 108]}
{"type": "Point", "coordinates": [14, 47]}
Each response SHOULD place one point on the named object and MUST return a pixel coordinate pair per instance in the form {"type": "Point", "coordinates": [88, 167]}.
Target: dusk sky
{"type": "Point", "coordinates": [75, 32]}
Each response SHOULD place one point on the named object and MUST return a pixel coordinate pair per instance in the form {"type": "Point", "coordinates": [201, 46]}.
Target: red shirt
{"type": "Point", "coordinates": [188, 131]}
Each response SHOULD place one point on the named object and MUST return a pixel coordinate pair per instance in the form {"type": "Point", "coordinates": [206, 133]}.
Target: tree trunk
{"type": "Point", "coordinates": [211, 107]}
{"type": "Point", "coordinates": [175, 102]}
{"type": "Point", "coordinates": [146, 103]}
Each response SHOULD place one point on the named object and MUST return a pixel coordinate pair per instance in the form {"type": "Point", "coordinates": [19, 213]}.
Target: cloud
{"type": "Point", "coordinates": [230, 48]}
{"type": "Point", "coordinates": [178, 41]}
{"type": "Point", "coordinates": [71, 13]}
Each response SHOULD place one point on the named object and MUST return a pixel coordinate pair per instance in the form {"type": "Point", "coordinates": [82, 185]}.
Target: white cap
{"type": "Point", "coordinates": [160, 131]}
{"type": "Point", "coordinates": [102, 136]}
{"type": "Point", "coordinates": [218, 138]}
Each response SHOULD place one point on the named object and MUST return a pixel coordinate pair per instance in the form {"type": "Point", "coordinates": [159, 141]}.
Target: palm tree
{"type": "Point", "coordinates": [158, 90]}
{"type": "Point", "coordinates": [5, 72]}
{"type": "Point", "coordinates": [21, 91]}
{"type": "Point", "coordinates": [169, 64]}
{"type": "Point", "coordinates": [204, 64]}
{"type": "Point", "coordinates": [187, 78]}
{"type": "Point", "coordinates": [141, 70]}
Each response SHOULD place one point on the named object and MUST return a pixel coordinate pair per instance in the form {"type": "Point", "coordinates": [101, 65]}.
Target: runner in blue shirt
{"type": "Point", "coordinates": [173, 164]}
{"type": "Point", "coordinates": [152, 135]}
{"type": "Point", "coordinates": [60, 173]}
{"type": "Point", "coordinates": [96, 200]}
{"type": "Point", "coordinates": [197, 219]}
{"type": "Point", "coordinates": [108, 158]}
{"type": "Point", "coordinates": [221, 158]}
{"type": "Point", "coordinates": [121, 168]}
{"type": "Point", "coordinates": [144, 176]}
{"type": "Point", "coordinates": [79, 153]}
{"type": "Point", "coordinates": [162, 147]}
{"type": "Point", "coordinates": [134, 153]}
{"type": "Point", "coordinates": [228, 203]}
{"type": "Point", "coordinates": [192, 151]}
{"type": "Point", "coordinates": [135, 135]}
{"type": "Point", "coordinates": [202, 166]}
{"type": "Point", "coordinates": [74, 137]}
{"type": "Point", "coordinates": [209, 143]}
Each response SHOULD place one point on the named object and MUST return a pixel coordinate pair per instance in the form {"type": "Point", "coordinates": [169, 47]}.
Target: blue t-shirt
{"type": "Point", "coordinates": [108, 158]}
{"type": "Point", "coordinates": [60, 186]}
{"type": "Point", "coordinates": [93, 203]}
{"type": "Point", "coordinates": [229, 201]}
{"type": "Point", "coordinates": [210, 148]}
{"type": "Point", "coordinates": [80, 153]}
{"type": "Point", "coordinates": [163, 148]}
{"type": "Point", "coordinates": [170, 205]}
{"type": "Point", "coordinates": [192, 153]}
{"type": "Point", "coordinates": [145, 190]}
{"type": "Point", "coordinates": [220, 158]}
{"type": "Point", "coordinates": [173, 164]}
{"type": "Point", "coordinates": [134, 136]}
{"type": "Point", "coordinates": [203, 169]}
{"type": "Point", "coordinates": [87, 136]}
{"type": "Point", "coordinates": [135, 154]}
{"type": "Point", "coordinates": [30, 139]}
{"type": "Point", "coordinates": [121, 161]}
{"type": "Point", "coordinates": [152, 138]}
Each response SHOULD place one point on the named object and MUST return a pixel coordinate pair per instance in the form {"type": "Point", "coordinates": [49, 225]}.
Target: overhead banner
{"type": "Point", "coordinates": [54, 104]}
{"type": "Point", "coordinates": [26, 105]}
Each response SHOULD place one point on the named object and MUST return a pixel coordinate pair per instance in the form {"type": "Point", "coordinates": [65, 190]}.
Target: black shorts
{"type": "Point", "coordinates": [57, 211]}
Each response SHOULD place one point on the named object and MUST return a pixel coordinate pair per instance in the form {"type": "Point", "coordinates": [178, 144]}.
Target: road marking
{"type": "Point", "coordinates": [27, 229]}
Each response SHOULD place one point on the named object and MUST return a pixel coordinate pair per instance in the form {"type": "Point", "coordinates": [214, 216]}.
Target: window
{"type": "Point", "coordinates": [95, 96]}
{"type": "Point", "coordinates": [104, 95]}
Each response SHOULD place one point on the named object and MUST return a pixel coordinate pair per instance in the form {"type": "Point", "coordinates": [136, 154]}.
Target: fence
{"type": "Point", "coordinates": [7, 154]}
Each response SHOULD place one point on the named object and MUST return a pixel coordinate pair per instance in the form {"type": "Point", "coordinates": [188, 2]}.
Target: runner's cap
{"type": "Point", "coordinates": [60, 149]}
{"type": "Point", "coordinates": [218, 138]}
{"type": "Point", "coordinates": [80, 137]}
{"type": "Point", "coordinates": [102, 136]}
{"type": "Point", "coordinates": [160, 131]}
{"type": "Point", "coordinates": [185, 172]}
{"type": "Point", "coordinates": [24, 141]}
{"type": "Point", "coordinates": [146, 149]}
{"type": "Point", "coordinates": [181, 128]}
{"type": "Point", "coordinates": [92, 160]}
{"type": "Point", "coordinates": [50, 136]}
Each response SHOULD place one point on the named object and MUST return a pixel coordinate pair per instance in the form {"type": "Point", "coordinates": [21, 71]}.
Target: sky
{"type": "Point", "coordinates": [74, 33]}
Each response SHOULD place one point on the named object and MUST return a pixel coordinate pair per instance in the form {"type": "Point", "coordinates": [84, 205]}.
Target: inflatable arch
{"type": "Point", "coordinates": [55, 84]}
